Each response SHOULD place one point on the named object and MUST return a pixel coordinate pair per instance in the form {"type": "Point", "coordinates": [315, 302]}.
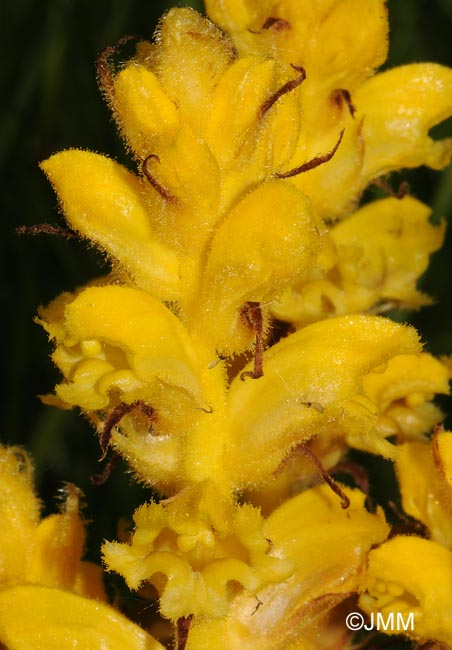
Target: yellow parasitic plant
{"type": "Point", "coordinates": [236, 352]}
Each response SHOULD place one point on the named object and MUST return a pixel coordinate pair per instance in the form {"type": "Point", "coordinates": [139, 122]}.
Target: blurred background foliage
{"type": "Point", "coordinates": [51, 102]}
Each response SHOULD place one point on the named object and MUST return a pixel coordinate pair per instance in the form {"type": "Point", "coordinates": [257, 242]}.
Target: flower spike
{"type": "Point", "coordinates": [224, 267]}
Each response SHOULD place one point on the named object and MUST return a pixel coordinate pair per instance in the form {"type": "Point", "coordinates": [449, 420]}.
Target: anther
{"type": "Point", "coordinates": [252, 313]}
{"type": "Point", "coordinates": [313, 163]}
{"type": "Point", "coordinates": [153, 181]}
{"type": "Point", "coordinates": [286, 88]}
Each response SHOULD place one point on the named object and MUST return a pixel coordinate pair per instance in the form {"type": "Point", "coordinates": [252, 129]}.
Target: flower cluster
{"type": "Point", "coordinates": [235, 352]}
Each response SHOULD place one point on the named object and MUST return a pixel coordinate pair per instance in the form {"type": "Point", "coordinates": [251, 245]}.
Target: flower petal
{"type": "Point", "coordinates": [303, 530]}
{"type": "Point", "coordinates": [199, 552]}
{"type": "Point", "coordinates": [52, 619]}
{"type": "Point", "coordinates": [403, 394]}
{"type": "Point", "coordinates": [315, 34]}
{"type": "Point", "coordinates": [102, 200]}
{"type": "Point", "coordinates": [120, 339]}
{"type": "Point", "coordinates": [426, 491]}
{"type": "Point", "coordinates": [308, 379]}
{"type": "Point", "coordinates": [411, 575]}
{"type": "Point", "coordinates": [372, 259]}
{"type": "Point", "coordinates": [399, 107]}
{"type": "Point", "coordinates": [19, 512]}
{"type": "Point", "coordinates": [147, 116]}
{"type": "Point", "coordinates": [246, 263]}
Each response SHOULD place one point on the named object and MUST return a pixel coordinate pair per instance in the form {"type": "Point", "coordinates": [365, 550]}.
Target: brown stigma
{"type": "Point", "coordinates": [285, 88]}
{"type": "Point", "coordinates": [313, 163]}
{"type": "Point", "coordinates": [47, 229]}
{"type": "Point", "coordinates": [164, 193]}
{"type": "Point", "coordinates": [104, 65]}
{"type": "Point", "coordinates": [115, 418]}
{"type": "Point", "coordinates": [325, 476]}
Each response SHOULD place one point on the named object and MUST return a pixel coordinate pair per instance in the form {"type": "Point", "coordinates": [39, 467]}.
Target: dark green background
{"type": "Point", "coordinates": [52, 102]}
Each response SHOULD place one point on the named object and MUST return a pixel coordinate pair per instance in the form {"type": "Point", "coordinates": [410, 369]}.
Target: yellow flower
{"type": "Point", "coordinates": [425, 477]}
{"type": "Point", "coordinates": [386, 117]}
{"type": "Point", "coordinates": [42, 579]}
{"type": "Point", "coordinates": [247, 148]}
{"type": "Point", "coordinates": [370, 261]}
{"type": "Point", "coordinates": [410, 575]}
{"type": "Point", "coordinates": [119, 348]}
{"type": "Point", "coordinates": [204, 547]}
{"type": "Point", "coordinates": [293, 612]}
{"type": "Point", "coordinates": [403, 395]}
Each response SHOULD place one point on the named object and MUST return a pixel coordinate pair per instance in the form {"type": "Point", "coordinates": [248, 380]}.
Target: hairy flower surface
{"type": "Point", "coordinates": [386, 117]}
{"type": "Point", "coordinates": [301, 530]}
{"type": "Point", "coordinates": [412, 575]}
{"type": "Point", "coordinates": [42, 578]}
{"type": "Point", "coordinates": [396, 578]}
{"type": "Point", "coordinates": [233, 354]}
{"type": "Point", "coordinates": [202, 548]}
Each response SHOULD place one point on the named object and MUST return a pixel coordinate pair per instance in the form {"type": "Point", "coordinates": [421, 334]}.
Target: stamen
{"type": "Point", "coordinates": [155, 184]}
{"type": "Point", "coordinates": [114, 419]}
{"type": "Point", "coordinates": [341, 95]}
{"type": "Point", "coordinates": [286, 88]}
{"type": "Point", "coordinates": [313, 163]}
{"type": "Point", "coordinates": [345, 501]}
{"type": "Point", "coordinates": [104, 68]}
{"type": "Point", "coordinates": [403, 190]}
{"type": "Point", "coordinates": [182, 629]}
{"type": "Point", "coordinates": [47, 229]}
{"type": "Point", "coordinates": [252, 313]}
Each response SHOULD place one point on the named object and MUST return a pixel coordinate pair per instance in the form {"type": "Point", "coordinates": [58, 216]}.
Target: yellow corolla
{"type": "Point", "coordinates": [411, 575]}
{"type": "Point", "coordinates": [425, 477]}
{"type": "Point", "coordinates": [207, 549]}
{"type": "Point", "coordinates": [49, 598]}
{"type": "Point", "coordinates": [131, 365]}
{"type": "Point", "coordinates": [297, 612]}
{"type": "Point", "coordinates": [386, 117]}
{"type": "Point", "coordinates": [370, 261]}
